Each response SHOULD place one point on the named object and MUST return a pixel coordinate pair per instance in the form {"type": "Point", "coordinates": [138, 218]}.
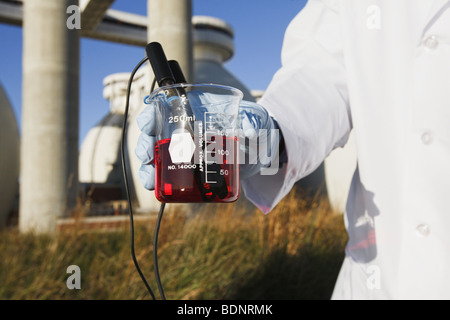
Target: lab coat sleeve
{"type": "Point", "coordinates": [309, 100]}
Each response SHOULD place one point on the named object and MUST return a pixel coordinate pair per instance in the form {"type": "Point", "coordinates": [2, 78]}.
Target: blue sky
{"type": "Point", "coordinates": [259, 27]}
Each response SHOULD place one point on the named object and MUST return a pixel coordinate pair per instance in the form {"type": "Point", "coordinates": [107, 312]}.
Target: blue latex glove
{"type": "Point", "coordinates": [255, 123]}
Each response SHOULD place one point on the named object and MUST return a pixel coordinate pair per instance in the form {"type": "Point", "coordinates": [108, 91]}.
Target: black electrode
{"type": "Point", "coordinates": [160, 65]}
{"type": "Point", "coordinates": [177, 72]}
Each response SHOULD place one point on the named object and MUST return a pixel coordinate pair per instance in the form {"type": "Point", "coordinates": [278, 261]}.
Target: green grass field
{"type": "Point", "coordinates": [294, 252]}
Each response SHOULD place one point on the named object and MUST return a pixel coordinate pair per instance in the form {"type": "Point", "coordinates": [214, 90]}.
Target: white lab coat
{"type": "Point", "coordinates": [381, 68]}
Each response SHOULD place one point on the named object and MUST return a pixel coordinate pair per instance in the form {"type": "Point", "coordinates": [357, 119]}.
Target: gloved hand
{"type": "Point", "coordinates": [260, 140]}
{"type": "Point", "coordinates": [256, 128]}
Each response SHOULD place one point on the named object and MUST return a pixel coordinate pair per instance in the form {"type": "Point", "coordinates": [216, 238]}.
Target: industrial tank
{"type": "Point", "coordinates": [100, 165]}
{"type": "Point", "coordinates": [9, 157]}
{"type": "Point", "coordinates": [213, 46]}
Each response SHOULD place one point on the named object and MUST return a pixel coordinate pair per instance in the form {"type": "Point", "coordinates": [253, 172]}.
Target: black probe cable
{"type": "Point", "coordinates": [155, 237]}
{"type": "Point", "coordinates": [155, 240]}
{"type": "Point", "coordinates": [155, 254]}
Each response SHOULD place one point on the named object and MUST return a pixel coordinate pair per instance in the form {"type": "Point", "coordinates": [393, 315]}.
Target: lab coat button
{"type": "Point", "coordinates": [427, 138]}
{"type": "Point", "coordinates": [423, 230]}
{"type": "Point", "coordinates": [431, 42]}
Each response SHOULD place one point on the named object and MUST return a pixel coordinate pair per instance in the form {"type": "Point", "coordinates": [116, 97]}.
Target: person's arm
{"type": "Point", "coordinates": [308, 98]}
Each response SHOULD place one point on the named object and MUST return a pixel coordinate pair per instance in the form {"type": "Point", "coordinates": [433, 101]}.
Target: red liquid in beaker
{"type": "Point", "coordinates": [198, 182]}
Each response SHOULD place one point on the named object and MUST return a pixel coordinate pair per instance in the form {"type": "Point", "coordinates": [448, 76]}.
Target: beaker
{"type": "Point", "coordinates": [197, 148]}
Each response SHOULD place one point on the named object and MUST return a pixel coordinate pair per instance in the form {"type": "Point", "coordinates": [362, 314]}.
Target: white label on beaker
{"type": "Point", "coordinates": [181, 148]}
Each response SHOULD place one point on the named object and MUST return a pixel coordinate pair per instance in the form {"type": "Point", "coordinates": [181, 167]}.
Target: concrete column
{"type": "Point", "coordinates": [170, 23]}
{"type": "Point", "coordinates": [49, 148]}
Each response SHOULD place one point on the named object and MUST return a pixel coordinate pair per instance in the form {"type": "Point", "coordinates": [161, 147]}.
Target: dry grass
{"type": "Point", "coordinates": [223, 252]}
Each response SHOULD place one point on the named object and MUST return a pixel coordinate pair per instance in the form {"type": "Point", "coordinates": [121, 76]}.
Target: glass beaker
{"type": "Point", "coordinates": [197, 148]}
